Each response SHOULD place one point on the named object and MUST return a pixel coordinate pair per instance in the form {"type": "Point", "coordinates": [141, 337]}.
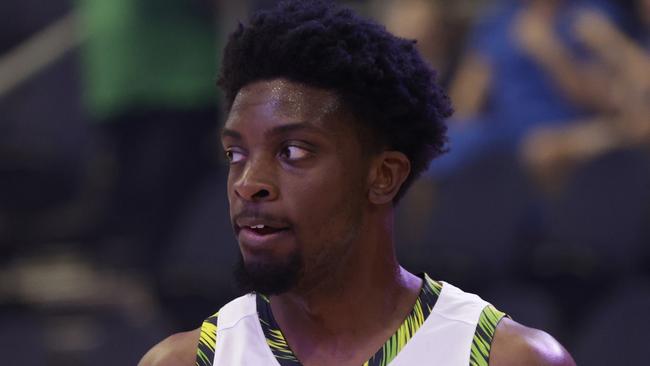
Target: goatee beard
{"type": "Point", "coordinates": [268, 278]}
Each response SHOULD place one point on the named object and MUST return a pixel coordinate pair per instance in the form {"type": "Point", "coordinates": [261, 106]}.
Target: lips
{"type": "Point", "coordinates": [263, 230]}
{"type": "Point", "coordinates": [258, 232]}
{"type": "Point", "coordinates": [260, 225]}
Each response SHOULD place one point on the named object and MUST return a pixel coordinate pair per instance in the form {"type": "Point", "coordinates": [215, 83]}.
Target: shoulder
{"type": "Point", "coordinates": [176, 350]}
{"type": "Point", "coordinates": [515, 344]}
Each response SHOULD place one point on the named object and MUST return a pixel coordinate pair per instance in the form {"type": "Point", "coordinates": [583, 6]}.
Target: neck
{"type": "Point", "coordinates": [369, 275]}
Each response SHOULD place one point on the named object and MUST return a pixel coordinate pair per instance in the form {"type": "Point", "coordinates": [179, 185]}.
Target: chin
{"type": "Point", "coordinates": [268, 277]}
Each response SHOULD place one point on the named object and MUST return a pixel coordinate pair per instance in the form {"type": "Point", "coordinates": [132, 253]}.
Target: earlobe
{"type": "Point", "coordinates": [389, 171]}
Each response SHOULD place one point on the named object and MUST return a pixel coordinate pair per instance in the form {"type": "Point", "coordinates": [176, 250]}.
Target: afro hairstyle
{"type": "Point", "coordinates": [379, 77]}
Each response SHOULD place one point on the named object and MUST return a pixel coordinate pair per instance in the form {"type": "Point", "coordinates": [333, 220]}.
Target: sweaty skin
{"type": "Point", "coordinates": [296, 159]}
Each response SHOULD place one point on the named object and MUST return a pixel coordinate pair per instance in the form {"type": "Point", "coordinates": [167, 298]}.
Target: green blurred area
{"type": "Point", "coordinates": [147, 53]}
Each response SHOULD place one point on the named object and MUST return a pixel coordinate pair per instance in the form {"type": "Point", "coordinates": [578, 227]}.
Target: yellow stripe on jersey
{"type": "Point", "coordinates": [482, 342]}
{"type": "Point", "coordinates": [284, 355]}
{"type": "Point", "coordinates": [423, 306]}
{"type": "Point", "coordinates": [207, 341]}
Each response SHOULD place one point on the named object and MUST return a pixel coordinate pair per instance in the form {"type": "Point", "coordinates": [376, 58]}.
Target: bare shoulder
{"type": "Point", "coordinates": [176, 350]}
{"type": "Point", "coordinates": [515, 344]}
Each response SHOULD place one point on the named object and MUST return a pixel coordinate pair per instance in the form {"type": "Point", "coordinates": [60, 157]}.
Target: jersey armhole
{"type": "Point", "coordinates": [207, 341]}
{"type": "Point", "coordinates": [483, 336]}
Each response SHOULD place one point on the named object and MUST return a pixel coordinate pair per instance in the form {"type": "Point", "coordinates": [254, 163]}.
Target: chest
{"type": "Point", "coordinates": [440, 343]}
{"type": "Point", "coordinates": [344, 350]}
{"type": "Point", "coordinates": [446, 336]}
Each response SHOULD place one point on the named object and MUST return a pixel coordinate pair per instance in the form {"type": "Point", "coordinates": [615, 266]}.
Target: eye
{"type": "Point", "coordinates": [293, 152]}
{"type": "Point", "coordinates": [234, 156]}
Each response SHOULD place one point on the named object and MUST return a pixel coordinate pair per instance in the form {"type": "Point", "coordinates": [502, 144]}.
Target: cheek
{"type": "Point", "coordinates": [230, 192]}
{"type": "Point", "coordinates": [313, 197]}
{"type": "Point", "coordinates": [325, 208]}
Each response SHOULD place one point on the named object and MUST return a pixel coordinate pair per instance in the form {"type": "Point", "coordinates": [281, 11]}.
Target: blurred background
{"type": "Point", "coordinates": [114, 231]}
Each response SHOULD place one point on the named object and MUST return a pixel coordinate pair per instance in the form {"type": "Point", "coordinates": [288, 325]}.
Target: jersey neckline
{"type": "Point", "coordinates": [429, 293]}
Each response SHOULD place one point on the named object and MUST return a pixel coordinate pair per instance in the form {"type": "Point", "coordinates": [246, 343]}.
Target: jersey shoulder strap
{"type": "Point", "coordinates": [458, 332]}
{"type": "Point", "coordinates": [484, 334]}
{"type": "Point", "coordinates": [207, 341]}
{"type": "Point", "coordinates": [236, 325]}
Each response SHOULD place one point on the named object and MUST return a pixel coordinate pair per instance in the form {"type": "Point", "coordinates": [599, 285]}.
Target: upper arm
{"type": "Point", "coordinates": [176, 350]}
{"type": "Point", "coordinates": [515, 344]}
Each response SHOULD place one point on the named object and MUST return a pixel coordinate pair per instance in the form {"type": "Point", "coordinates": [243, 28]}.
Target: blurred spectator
{"type": "Point", "coordinates": [524, 67]}
{"type": "Point", "coordinates": [559, 83]}
{"type": "Point", "coordinates": [149, 71]}
{"type": "Point", "coordinates": [440, 28]}
{"type": "Point", "coordinates": [624, 63]}
{"type": "Point", "coordinates": [429, 24]}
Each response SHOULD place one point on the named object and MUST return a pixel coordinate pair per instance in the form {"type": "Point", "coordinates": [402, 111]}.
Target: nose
{"type": "Point", "coordinates": [256, 183]}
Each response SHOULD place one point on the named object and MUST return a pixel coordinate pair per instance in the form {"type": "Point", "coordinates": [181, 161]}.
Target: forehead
{"type": "Point", "coordinates": [284, 98]}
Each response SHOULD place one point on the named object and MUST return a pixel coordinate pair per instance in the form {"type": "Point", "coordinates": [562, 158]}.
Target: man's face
{"type": "Point", "coordinates": [297, 185]}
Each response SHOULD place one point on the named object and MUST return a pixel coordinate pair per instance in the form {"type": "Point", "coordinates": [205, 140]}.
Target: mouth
{"type": "Point", "coordinates": [259, 232]}
{"type": "Point", "coordinates": [260, 229]}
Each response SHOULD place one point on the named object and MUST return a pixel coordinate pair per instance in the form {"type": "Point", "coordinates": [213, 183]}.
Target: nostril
{"type": "Point", "coordinates": [262, 193]}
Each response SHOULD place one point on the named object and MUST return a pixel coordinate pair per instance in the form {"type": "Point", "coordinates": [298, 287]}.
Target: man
{"type": "Point", "coordinates": [331, 118]}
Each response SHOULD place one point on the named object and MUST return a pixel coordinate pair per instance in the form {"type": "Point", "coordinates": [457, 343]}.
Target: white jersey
{"type": "Point", "coordinates": [457, 332]}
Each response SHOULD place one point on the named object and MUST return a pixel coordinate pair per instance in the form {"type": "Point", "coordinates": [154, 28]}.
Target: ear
{"type": "Point", "coordinates": [388, 172]}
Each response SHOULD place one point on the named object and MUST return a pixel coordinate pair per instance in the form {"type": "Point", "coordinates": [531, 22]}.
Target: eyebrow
{"type": "Point", "coordinates": [275, 131]}
{"type": "Point", "coordinates": [230, 133]}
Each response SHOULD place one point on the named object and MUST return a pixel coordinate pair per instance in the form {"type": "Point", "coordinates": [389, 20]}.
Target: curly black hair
{"type": "Point", "coordinates": [380, 78]}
